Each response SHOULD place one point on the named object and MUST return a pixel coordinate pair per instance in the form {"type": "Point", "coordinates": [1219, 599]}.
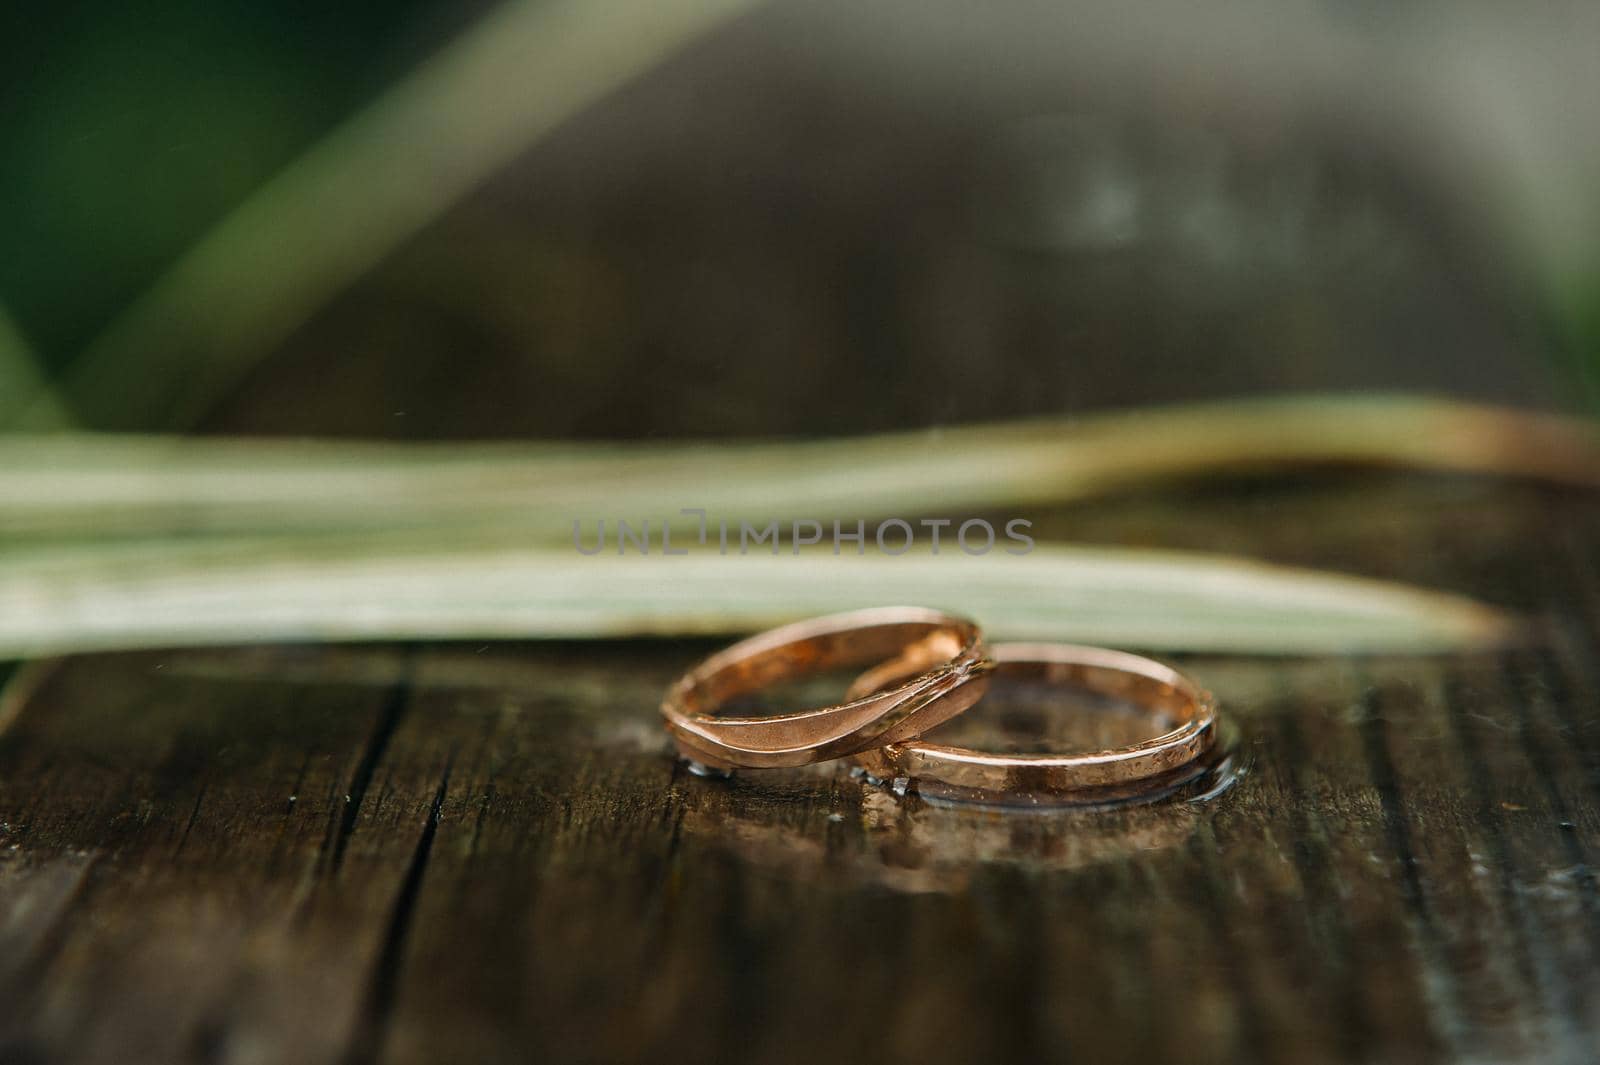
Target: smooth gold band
{"type": "Point", "coordinates": [941, 667]}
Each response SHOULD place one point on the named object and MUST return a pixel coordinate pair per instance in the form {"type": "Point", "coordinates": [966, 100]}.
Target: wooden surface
{"type": "Point", "coordinates": [480, 854]}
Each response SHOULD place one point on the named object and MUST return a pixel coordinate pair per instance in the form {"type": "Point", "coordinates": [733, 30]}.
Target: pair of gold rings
{"type": "Point", "coordinates": [922, 668]}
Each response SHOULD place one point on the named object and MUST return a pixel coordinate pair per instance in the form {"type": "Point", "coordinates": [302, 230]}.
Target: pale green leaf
{"type": "Point", "coordinates": [223, 591]}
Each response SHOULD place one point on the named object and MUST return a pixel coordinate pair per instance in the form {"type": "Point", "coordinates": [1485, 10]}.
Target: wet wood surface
{"type": "Point", "coordinates": [484, 853]}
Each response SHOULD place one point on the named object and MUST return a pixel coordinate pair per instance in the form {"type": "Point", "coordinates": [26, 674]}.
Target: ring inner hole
{"type": "Point", "coordinates": [1051, 708]}
{"type": "Point", "coordinates": [815, 672]}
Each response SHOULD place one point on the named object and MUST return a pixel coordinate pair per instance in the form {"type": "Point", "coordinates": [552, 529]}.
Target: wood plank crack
{"type": "Point", "coordinates": [383, 987]}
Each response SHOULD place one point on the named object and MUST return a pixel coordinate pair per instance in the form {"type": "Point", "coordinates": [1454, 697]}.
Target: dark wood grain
{"type": "Point", "coordinates": [464, 853]}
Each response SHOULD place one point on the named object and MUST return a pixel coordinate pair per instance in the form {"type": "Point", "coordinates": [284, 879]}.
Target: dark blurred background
{"type": "Point", "coordinates": [818, 218]}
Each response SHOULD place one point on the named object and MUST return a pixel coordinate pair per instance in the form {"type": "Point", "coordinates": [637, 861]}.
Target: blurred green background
{"type": "Point", "coordinates": [129, 130]}
{"type": "Point", "coordinates": [814, 219]}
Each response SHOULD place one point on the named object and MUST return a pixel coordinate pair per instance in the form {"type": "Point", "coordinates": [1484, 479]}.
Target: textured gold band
{"type": "Point", "coordinates": [1109, 774]}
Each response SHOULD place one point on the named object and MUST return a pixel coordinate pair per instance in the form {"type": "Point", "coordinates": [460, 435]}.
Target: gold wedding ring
{"type": "Point", "coordinates": [924, 668]}
{"type": "Point", "coordinates": [941, 666]}
{"type": "Point", "coordinates": [1187, 712]}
